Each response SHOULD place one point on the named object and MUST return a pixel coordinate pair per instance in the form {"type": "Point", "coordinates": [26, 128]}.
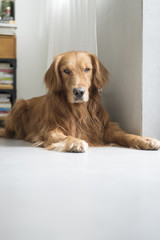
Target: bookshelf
{"type": "Point", "coordinates": [8, 65]}
{"type": "Point", "coordinates": [8, 60]}
{"type": "Point", "coordinates": [7, 91]}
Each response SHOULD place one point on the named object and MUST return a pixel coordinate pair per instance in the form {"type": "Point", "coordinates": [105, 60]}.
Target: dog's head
{"type": "Point", "coordinates": [75, 73]}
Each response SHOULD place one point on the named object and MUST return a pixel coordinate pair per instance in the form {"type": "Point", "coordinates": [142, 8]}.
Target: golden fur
{"type": "Point", "coordinates": [70, 116]}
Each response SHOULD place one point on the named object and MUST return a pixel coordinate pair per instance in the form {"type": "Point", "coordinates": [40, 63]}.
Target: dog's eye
{"type": "Point", "coordinates": [87, 70]}
{"type": "Point", "coordinates": [66, 71]}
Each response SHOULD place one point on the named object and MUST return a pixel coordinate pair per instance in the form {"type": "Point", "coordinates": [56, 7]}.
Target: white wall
{"type": "Point", "coordinates": [119, 29]}
{"type": "Point", "coordinates": [120, 49]}
{"type": "Point", "coordinates": [31, 48]}
{"type": "Point", "coordinates": [151, 68]}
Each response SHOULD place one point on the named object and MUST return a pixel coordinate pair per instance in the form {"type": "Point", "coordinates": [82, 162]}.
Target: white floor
{"type": "Point", "coordinates": [105, 194]}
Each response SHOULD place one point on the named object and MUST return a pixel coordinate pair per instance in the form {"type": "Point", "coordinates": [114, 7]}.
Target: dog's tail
{"type": "Point", "coordinates": [2, 132]}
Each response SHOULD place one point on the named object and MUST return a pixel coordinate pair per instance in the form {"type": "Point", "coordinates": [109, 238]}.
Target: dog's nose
{"type": "Point", "coordinates": [79, 92]}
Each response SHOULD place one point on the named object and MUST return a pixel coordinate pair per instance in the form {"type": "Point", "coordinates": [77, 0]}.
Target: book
{"type": "Point", "coordinates": [3, 114]}
{"type": "Point", "coordinates": [7, 29]}
{"type": "Point", "coordinates": [5, 82]}
{"type": "Point", "coordinates": [5, 105]}
{"type": "Point", "coordinates": [6, 78]}
{"type": "Point", "coordinates": [6, 70]}
{"type": "Point", "coordinates": [5, 109]}
{"type": "Point", "coordinates": [5, 97]}
{"type": "Point", "coordinates": [5, 66]}
{"type": "Point", "coordinates": [5, 86]}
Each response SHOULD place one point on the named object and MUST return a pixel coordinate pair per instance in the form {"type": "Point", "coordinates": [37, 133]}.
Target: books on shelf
{"type": "Point", "coordinates": [6, 76]}
{"type": "Point", "coordinates": [5, 97]}
{"type": "Point", "coordinates": [5, 104]}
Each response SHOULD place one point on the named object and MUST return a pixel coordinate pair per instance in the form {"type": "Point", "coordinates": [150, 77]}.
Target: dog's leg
{"type": "Point", "coordinates": [113, 134]}
{"type": "Point", "coordinates": [56, 140]}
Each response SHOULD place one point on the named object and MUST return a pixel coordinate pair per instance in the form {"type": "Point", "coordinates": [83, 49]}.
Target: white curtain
{"type": "Point", "coordinates": [71, 26]}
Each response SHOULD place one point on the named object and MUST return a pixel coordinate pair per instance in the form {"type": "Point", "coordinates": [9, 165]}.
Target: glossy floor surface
{"type": "Point", "coordinates": [104, 194]}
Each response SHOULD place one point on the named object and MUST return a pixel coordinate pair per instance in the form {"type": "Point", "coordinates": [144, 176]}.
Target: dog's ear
{"type": "Point", "coordinates": [52, 77]}
{"type": "Point", "coordinates": [100, 73]}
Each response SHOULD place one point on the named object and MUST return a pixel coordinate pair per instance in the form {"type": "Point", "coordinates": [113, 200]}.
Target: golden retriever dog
{"type": "Point", "coordinates": [70, 116]}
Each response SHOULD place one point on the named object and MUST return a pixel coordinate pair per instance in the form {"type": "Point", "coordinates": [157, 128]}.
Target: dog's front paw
{"type": "Point", "coordinates": [149, 144]}
{"type": "Point", "coordinates": [77, 146]}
